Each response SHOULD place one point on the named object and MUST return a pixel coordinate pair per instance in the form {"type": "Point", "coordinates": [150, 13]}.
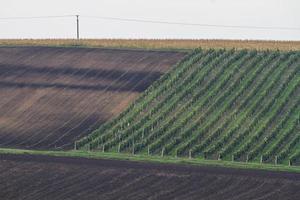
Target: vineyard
{"type": "Point", "coordinates": [241, 105]}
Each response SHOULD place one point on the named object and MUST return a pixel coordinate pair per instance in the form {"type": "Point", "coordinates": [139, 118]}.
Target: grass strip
{"type": "Point", "coordinates": [154, 159]}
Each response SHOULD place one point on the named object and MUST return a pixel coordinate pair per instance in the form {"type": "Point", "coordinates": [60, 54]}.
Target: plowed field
{"type": "Point", "coordinates": [50, 97]}
{"type": "Point", "coordinates": [41, 177]}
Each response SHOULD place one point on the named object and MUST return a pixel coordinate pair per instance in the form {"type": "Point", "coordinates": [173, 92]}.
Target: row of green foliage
{"type": "Point", "coordinates": [225, 104]}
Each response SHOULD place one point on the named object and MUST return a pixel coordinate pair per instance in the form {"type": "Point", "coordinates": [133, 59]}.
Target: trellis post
{"type": "Point", "coordinates": [133, 148]}
{"type": "Point", "coordinates": [162, 152]}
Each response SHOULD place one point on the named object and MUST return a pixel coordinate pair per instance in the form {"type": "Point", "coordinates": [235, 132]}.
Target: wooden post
{"type": "Point", "coordinates": [75, 145]}
{"type": "Point", "coordinates": [261, 159]}
{"type": "Point", "coordinates": [190, 154]}
{"type": "Point", "coordinates": [176, 153]}
{"type": "Point", "coordinates": [133, 148]}
{"type": "Point", "coordinates": [276, 160]}
{"type": "Point", "coordinates": [232, 157]}
{"type": "Point", "coordinates": [219, 157]}
{"type": "Point", "coordinates": [103, 148]}
{"type": "Point", "coordinates": [148, 150]}
{"type": "Point", "coordinates": [119, 147]}
{"type": "Point", "coordinates": [162, 152]}
{"type": "Point", "coordinates": [290, 163]}
{"type": "Point", "coordinates": [247, 158]}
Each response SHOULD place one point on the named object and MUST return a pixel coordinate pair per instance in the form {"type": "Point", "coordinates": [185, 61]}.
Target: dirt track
{"type": "Point", "coordinates": [42, 177]}
{"type": "Point", "coordinates": [51, 96]}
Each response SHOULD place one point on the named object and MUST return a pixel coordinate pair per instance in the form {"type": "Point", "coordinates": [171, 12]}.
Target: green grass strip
{"type": "Point", "coordinates": [154, 159]}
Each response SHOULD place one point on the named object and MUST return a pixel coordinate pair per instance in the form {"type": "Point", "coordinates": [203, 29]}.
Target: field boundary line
{"type": "Point", "coordinates": [154, 159]}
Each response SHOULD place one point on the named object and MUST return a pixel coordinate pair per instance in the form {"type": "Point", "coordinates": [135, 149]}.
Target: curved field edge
{"type": "Point", "coordinates": [184, 44]}
{"type": "Point", "coordinates": [154, 159]}
{"type": "Point", "coordinates": [199, 110]}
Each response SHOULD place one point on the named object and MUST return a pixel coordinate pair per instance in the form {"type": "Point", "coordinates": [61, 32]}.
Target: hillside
{"type": "Point", "coordinates": [49, 97]}
{"type": "Point", "coordinates": [216, 104]}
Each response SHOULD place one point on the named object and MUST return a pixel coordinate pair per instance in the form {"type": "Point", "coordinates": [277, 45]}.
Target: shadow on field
{"type": "Point", "coordinates": [120, 80]}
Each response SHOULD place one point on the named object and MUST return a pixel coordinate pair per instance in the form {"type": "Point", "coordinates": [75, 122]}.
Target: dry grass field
{"type": "Point", "coordinates": [158, 43]}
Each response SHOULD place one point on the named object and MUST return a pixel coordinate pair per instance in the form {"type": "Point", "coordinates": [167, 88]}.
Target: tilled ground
{"type": "Point", "coordinates": [51, 96]}
{"type": "Point", "coordinates": [43, 177]}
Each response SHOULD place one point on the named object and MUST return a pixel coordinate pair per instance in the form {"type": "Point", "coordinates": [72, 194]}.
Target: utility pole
{"type": "Point", "coordinates": [77, 18]}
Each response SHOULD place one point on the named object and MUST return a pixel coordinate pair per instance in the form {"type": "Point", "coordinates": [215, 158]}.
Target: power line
{"type": "Point", "coordinates": [155, 22]}
{"type": "Point", "coordinates": [191, 24]}
{"type": "Point", "coordinates": [36, 17]}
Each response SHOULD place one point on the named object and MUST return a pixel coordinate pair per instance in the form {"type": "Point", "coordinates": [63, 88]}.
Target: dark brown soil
{"type": "Point", "coordinates": [43, 177]}
{"type": "Point", "coordinates": [50, 97]}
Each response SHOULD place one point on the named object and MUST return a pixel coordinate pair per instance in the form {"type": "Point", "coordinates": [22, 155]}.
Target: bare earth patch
{"type": "Point", "coordinates": [42, 177]}
{"type": "Point", "coordinates": [51, 96]}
